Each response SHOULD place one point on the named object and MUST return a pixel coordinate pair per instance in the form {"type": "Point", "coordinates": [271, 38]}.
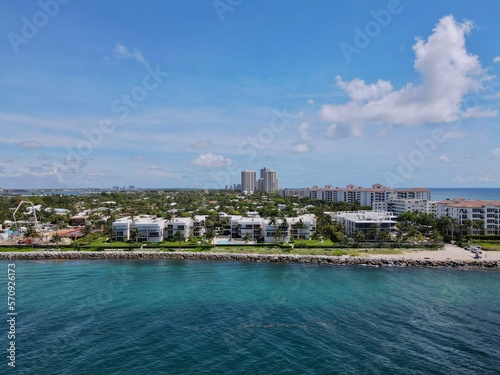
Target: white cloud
{"type": "Point", "coordinates": [29, 144]}
{"type": "Point", "coordinates": [444, 158]}
{"type": "Point", "coordinates": [343, 131]}
{"type": "Point", "coordinates": [496, 59]}
{"type": "Point", "coordinates": [452, 134]}
{"type": "Point", "coordinates": [124, 52]}
{"type": "Point", "coordinates": [304, 131]}
{"type": "Point", "coordinates": [301, 148]}
{"type": "Point", "coordinates": [211, 160]}
{"type": "Point", "coordinates": [496, 152]}
{"type": "Point", "coordinates": [139, 159]}
{"type": "Point", "coordinates": [311, 102]}
{"type": "Point", "coordinates": [448, 73]}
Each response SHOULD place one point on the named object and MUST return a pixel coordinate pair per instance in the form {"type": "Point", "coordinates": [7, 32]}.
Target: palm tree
{"type": "Point", "coordinates": [373, 232]}
{"type": "Point", "coordinates": [247, 238]}
{"type": "Point", "coordinates": [134, 234]}
{"type": "Point", "coordinates": [469, 224]}
{"type": "Point", "coordinates": [277, 233]}
{"type": "Point", "coordinates": [358, 237]}
{"type": "Point", "coordinates": [87, 231]}
{"type": "Point", "coordinates": [298, 226]}
{"type": "Point", "coordinates": [56, 238]}
{"type": "Point", "coordinates": [384, 236]}
{"type": "Point", "coordinates": [178, 237]}
{"type": "Point", "coordinates": [31, 233]}
{"type": "Point", "coordinates": [479, 224]}
{"type": "Point", "coordinates": [284, 227]}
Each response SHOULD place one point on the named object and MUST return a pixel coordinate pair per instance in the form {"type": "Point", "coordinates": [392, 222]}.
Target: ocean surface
{"type": "Point", "coordinates": [208, 317]}
{"type": "Point", "coordinates": [439, 194]}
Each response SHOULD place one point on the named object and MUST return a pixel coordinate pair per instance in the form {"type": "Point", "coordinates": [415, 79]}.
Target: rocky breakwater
{"type": "Point", "coordinates": [269, 258]}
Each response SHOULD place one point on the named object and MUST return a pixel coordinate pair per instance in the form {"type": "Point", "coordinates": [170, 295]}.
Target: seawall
{"type": "Point", "coordinates": [270, 258]}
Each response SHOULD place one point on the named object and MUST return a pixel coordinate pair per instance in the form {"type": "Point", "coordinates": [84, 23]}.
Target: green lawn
{"type": "Point", "coordinates": [490, 246]}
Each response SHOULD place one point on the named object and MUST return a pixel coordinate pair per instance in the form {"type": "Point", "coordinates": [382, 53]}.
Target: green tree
{"type": "Point", "coordinates": [373, 232]}
{"type": "Point", "coordinates": [87, 233]}
{"type": "Point", "coordinates": [56, 239]}
{"type": "Point", "coordinates": [277, 234]}
{"type": "Point", "coordinates": [358, 236]}
{"type": "Point", "coordinates": [247, 237]}
{"type": "Point", "coordinates": [178, 237]}
{"type": "Point", "coordinates": [31, 233]}
{"type": "Point", "coordinates": [134, 234]}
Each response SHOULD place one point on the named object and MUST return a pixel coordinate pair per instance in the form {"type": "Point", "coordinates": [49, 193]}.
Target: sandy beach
{"type": "Point", "coordinates": [450, 252]}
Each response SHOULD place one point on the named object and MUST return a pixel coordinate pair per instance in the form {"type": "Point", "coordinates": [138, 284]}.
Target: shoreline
{"type": "Point", "coordinates": [373, 261]}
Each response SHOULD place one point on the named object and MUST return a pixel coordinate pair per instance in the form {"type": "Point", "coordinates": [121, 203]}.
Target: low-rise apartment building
{"type": "Point", "coordinates": [184, 225]}
{"type": "Point", "coordinates": [363, 220]}
{"type": "Point", "coordinates": [485, 213]}
{"type": "Point", "coordinates": [399, 206]}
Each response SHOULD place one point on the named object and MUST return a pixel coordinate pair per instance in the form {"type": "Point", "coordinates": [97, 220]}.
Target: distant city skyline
{"type": "Point", "coordinates": [401, 93]}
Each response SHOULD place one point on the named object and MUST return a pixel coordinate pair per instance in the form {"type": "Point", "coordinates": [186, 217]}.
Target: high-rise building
{"type": "Point", "coordinates": [268, 182]}
{"type": "Point", "coordinates": [248, 181]}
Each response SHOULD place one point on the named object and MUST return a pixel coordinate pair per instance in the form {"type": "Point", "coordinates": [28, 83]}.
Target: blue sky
{"type": "Point", "coordinates": [189, 93]}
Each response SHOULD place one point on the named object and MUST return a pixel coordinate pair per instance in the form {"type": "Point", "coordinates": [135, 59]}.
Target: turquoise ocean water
{"type": "Point", "coordinates": [466, 193]}
{"type": "Point", "coordinates": [204, 317]}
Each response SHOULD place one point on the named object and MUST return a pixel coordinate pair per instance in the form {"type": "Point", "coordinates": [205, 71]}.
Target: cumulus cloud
{"type": "Point", "coordinates": [211, 160]}
{"type": "Point", "coordinates": [301, 148]}
{"type": "Point", "coordinates": [496, 152]}
{"type": "Point", "coordinates": [204, 143]}
{"type": "Point", "coordinates": [311, 102]}
{"type": "Point", "coordinates": [448, 74]}
{"type": "Point", "coordinates": [338, 131]}
{"type": "Point", "coordinates": [29, 144]}
{"type": "Point", "coordinates": [139, 159]}
{"type": "Point", "coordinates": [444, 158]}
{"type": "Point", "coordinates": [496, 59]}
{"type": "Point", "coordinates": [123, 52]}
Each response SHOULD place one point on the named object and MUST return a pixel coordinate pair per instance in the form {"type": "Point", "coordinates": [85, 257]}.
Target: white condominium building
{"type": "Point", "coordinates": [367, 196]}
{"type": "Point", "coordinates": [399, 206]}
{"type": "Point", "coordinates": [148, 229]}
{"type": "Point", "coordinates": [483, 212]}
{"type": "Point", "coordinates": [184, 225]}
{"type": "Point", "coordinates": [248, 182]}
{"type": "Point", "coordinates": [302, 227]}
{"type": "Point", "coordinates": [363, 220]}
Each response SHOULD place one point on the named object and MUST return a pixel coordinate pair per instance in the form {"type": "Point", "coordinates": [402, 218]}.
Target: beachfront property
{"type": "Point", "coordinates": [366, 196]}
{"type": "Point", "coordinates": [363, 220]}
{"type": "Point", "coordinates": [484, 215]}
{"type": "Point", "coordinates": [199, 225]}
{"type": "Point", "coordinates": [246, 227]}
{"type": "Point", "coordinates": [252, 227]}
{"type": "Point", "coordinates": [399, 206]}
{"type": "Point", "coordinates": [144, 228]}
{"type": "Point", "coordinates": [183, 225]}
